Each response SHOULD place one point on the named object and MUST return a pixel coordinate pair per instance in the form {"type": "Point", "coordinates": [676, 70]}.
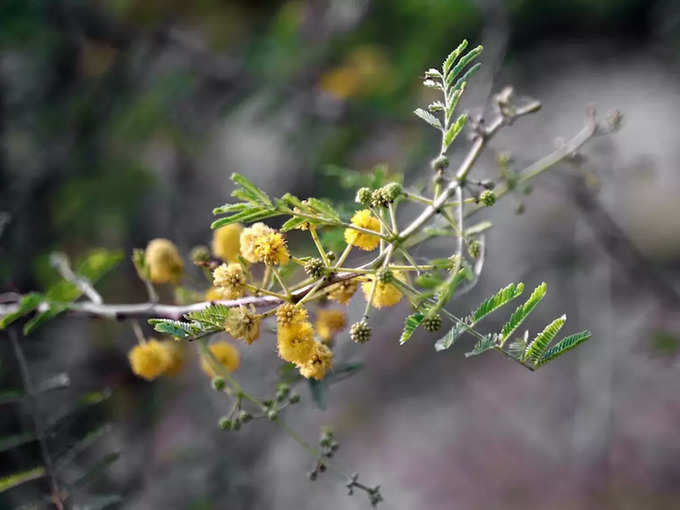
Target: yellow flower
{"type": "Point", "coordinates": [165, 264]}
{"type": "Point", "coordinates": [243, 323]}
{"type": "Point", "coordinates": [149, 360]}
{"type": "Point", "coordinates": [386, 294]}
{"type": "Point", "coordinates": [226, 242]}
{"type": "Point", "coordinates": [296, 342]}
{"type": "Point", "coordinates": [288, 313]}
{"type": "Point", "coordinates": [213, 294]}
{"type": "Point", "coordinates": [329, 322]}
{"type": "Point", "coordinates": [175, 351]}
{"type": "Point", "coordinates": [225, 353]}
{"type": "Point", "coordinates": [342, 292]}
{"type": "Point", "coordinates": [271, 249]}
{"type": "Point", "coordinates": [248, 238]}
{"type": "Point", "coordinates": [230, 280]}
{"type": "Point", "coordinates": [320, 361]}
{"type": "Point", "coordinates": [365, 219]}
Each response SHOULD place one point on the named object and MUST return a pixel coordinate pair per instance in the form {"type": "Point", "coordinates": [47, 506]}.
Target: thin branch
{"type": "Point", "coordinates": [60, 262]}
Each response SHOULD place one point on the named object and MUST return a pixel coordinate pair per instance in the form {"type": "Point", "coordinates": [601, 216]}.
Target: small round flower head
{"type": "Point", "coordinates": [342, 292]}
{"type": "Point", "coordinates": [165, 264]}
{"type": "Point", "coordinates": [487, 197]}
{"type": "Point", "coordinates": [213, 294]}
{"type": "Point", "coordinates": [364, 219]}
{"type": "Point", "coordinates": [329, 322]}
{"type": "Point", "coordinates": [474, 249]}
{"type": "Point", "coordinates": [360, 332]}
{"type": "Point", "coordinates": [271, 249]}
{"type": "Point", "coordinates": [432, 324]}
{"type": "Point", "coordinates": [287, 314]}
{"type": "Point", "coordinates": [175, 351]}
{"type": "Point", "coordinates": [226, 242]}
{"type": "Point", "coordinates": [379, 198]}
{"type": "Point", "coordinates": [386, 294]}
{"type": "Point", "coordinates": [392, 191]}
{"type": "Point", "coordinates": [385, 276]}
{"type": "Point", "coordinates": [230, 280]}
{"type": "Point", "coordinates": [315, 268]}
{"type": "Point", "coordinates": [248, 238]}
{"type": "Point", "coordinates": [200, 255]}
{"type": "Point", "coordinates": [320, 361]}
{"type": "Point", "coordinates": [149, 360]}
{"type": "Point", "coordinates": [296, 342]}
{"type": "Point", "coordinates": [441, 162]}
{"type": "Point", "coordinates": [225, 353]}
{"type": "Point", "coordinates": [243, 323]}
{"type": "Point", "coordinates": [363, 196]}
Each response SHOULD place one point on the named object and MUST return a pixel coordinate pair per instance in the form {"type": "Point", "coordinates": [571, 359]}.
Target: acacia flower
{"type": "Point", "coordinates": [288, 313]}
{"type": "Point", "coordinates": [165, 264]}
{"type": "Point", "coordinates": [364, 219]}
{"type": "Point", "coordinates": [343, 291]}
{"type": "Point", "coordinates": [271, 249]}
{"type": "Point", "coordinates": [320, 361]}
{"type": "Point", "coordinates": [386, 294]}
{"type": "Point", "coordinates": [243, 323]}
{"type": "Point", "coordinates": [225, 353]}
{"type": "Point", "coordinates": [329, 322]}
{"type": "Point", "coordinates": [226, 242]}
{"type": "Point", "coordinates": [230, 280]}
{"type": "Point", "coordinates": [296, 342]}
{"type": "Point", "coordinates": [175, 352]}
{"type": "Point", "coordinates": [149, 360]}
{"type": "Point", "coordinates": [248, 238]}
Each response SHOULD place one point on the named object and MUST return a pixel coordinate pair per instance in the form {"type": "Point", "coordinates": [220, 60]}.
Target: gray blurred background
{"type": "Point", "coordinates": [120, 121]}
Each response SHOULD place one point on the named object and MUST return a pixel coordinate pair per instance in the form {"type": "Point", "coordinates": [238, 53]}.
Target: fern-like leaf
{"type": "Point", "coordinates": [537, 347]}
{"type": "Point", "coordinates": [213, 315]}
{"type": "Point", "coordinates": [464, 61]}
{"type": "Point", "coordinates": [450, 338]}
{"type": "Point", "coordinates": [501, 298]}
{"type": "Point", "coordinates": [429, 118]}
{"type": "Point", "coordinates": [453, 56]}
{"type": "Point", "coordinates": [412, 322]}
{"type": "Point", "coordinates": [564, 345]}
{"type": "Point", "coordinates": [454, 130]}
{"type": "Point", "coordinates": [484, 344]}
{"type": "Point", "coordinates": [522, 312]}
{"type": "Point", "coordinates": [178, 329]}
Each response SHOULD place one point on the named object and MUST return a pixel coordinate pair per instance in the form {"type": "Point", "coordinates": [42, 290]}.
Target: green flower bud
{"type": "Point", "coordinates": [363, 196]}
{"type": "Point", "coordinates": [360, 332]}
{"type": "Point", "coordinates": [441, 162]}
{"type": "Point", "coordinates": [432, 324]}
{"type": "Point", "coordinates": [475, 249]}
{"type": "Point", "coordinates": [315, 268]}
{"type": "Point", "coordinates": [487, 197]}
{"type": "Point", "coordinates": [225, 423]}
{"type": "Point", "coordinates": [219, 383]}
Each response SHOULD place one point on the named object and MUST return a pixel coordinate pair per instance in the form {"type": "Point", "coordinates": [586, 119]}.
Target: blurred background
{"type": "Point", "coordinates": [121, 121]}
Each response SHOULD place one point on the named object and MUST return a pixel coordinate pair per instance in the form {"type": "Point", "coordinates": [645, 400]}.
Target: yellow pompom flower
{"type": "Point", "coordinates": [175, 352]}
{"type": "Point", "coordinates": [364, 219]}
{"type": "Point", "coordinates": [149, 360]}
{"type": "Point", "coordinates": [386, 294]}
{"type": "Point", "coordinates": [225, 353]}
{"type": "Point", "coordinates": [226, 242]}
{"type": "Point", "coordinates": [213, 294]}
{"type": "Point", "coordinates": [342, 292]}
{"type": "Point", "coordinates": [165, 264]}
{"type": "Point", "coordinates": [296, 342]}
{"type": "Point", "coordinates": [271, 249]}
{"type": "Point", "coordinates": [230, 280]}
{"type": "Point", "coordinates": [243, 324]}
{"type": "Point", "coordinates": [329, 322]}
{"type": "Point", "coordinates": [320, 361]}
{"type": "Point", "coordinates": [288, 313]}
{"type": "Point", "coordinates": [249, 236]}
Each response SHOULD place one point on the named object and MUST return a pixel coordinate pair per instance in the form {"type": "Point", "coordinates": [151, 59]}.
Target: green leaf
{"type": "Point", "coordinates": [460, 84]}
{"type": "Point", "coordinates": [522, 312]}
{"type": "Point", "coordinates": [410, 325]}
{"type": "Point", "coordinates": [486, 343]}
{"type": "Point", "coordinates": [292, 201]}
{"type": "Point", "coordinates": [178, 329]}
{"type": "Point", "coordinates": [41, 318]}
{"type": "Point", "coordinates": [249, 215]}
{"type": "Point", "coordinates": [464, 61]}
{"type": "Point", "coordinates": [9, 442]}
{"type": "Point", "coordinates": [429, 280]}
{"type": "Point", "coordinates": [564, 345]}
{"type": "Point", "coordinates": [453, 56]}
{"type": "Point", "coordinates": [429, 118]}
{"type": "Point", "coordinates": [449, 339]}
{"type": "Point", "coordinates": [27, 304]}
{"type": "Point", "coordinates": [16, 479]}
{"type": "Point", "coordinates": [502, 297]}
{"type": "Point", "coordinates": [253, 191]}
{"type": "Point", "coordinates": [139, 261]}
{"type": "Point", "coordinates": [293, 223]}
{"type": "Point", "coordinates": [454, 96]}
{"type": "Point", "coordinates": [212, 316]}
{"type": "Point", "coordinates": [324, 208]}
{"type": "Point", "coordinates": [478, 228]}
{"type": "Point", "coordinates": [231, 208]}
{"type": "Point", "coordinates": [453, 131]}
{"type": "Point", "coordinates": [537, 347]}
{"type": "Point", "coordinates": [98, 263]}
